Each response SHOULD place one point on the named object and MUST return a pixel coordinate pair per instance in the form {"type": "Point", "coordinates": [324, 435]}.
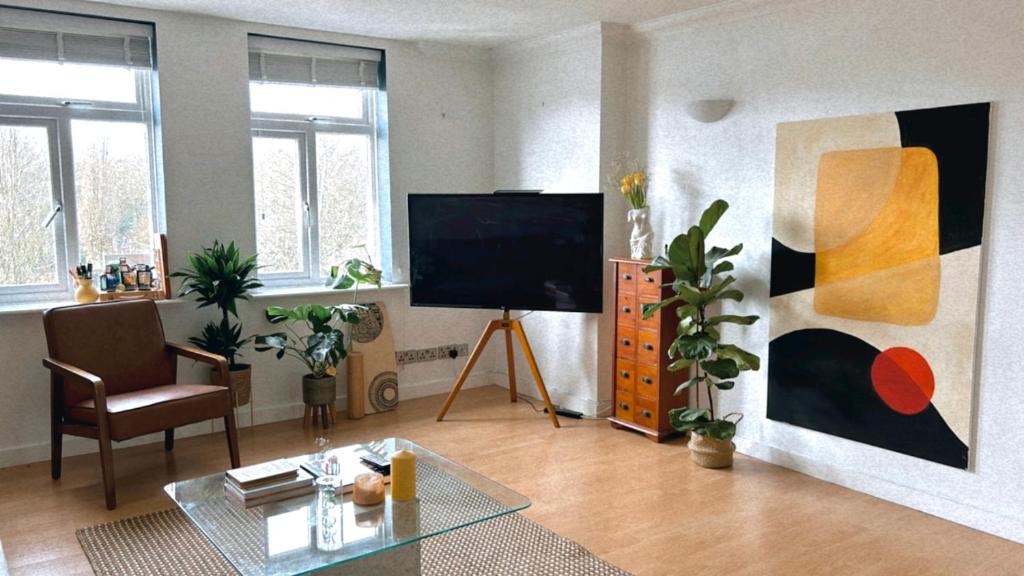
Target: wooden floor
{"type": "Point", "coordinates": [640, 505]}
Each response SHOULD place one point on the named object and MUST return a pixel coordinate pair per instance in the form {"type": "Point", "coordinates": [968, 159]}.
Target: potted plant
{"type": "Point", "coordinates": [220, 277]}
{"type": "Point", "coordinates": [698, 285]}
{"type": "Point", "coordinates": [324, 345]}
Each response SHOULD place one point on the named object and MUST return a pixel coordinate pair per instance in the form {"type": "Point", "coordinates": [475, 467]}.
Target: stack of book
{"type": "Point", "coordinates": [267, 482]}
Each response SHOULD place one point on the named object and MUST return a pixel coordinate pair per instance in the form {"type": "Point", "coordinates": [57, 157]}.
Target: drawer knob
{"type": "Point", "coordinates": [627, 310]}
{"type": "Point", "coordinates": [647, 380]}
{"type": "Point", "coordinates": [623, 405]}
{"type": "Point", "coordinates": [624, 373]}
{"type": "Point", "coordinates": [627, 276]}
{"type": "Point", "coordinates": [649, 279]}
{"type": "Point", "coordinates": [645, 413]}
{"type": "Point", "coordinates": [648, 346]}
{"type": "Point", "coordinates": [625, 341]}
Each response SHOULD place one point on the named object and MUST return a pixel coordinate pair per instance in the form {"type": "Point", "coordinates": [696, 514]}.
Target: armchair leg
{"type": "Point", "coordinates": [56, 431]}
{"type": "Point", "coordinates": [232, 434]}
{"type": "Point", "coordinates": [169, 439]}
{"type": "Point", "coordinates": [56, 447]}
{"type": "Point", "coordinates": [107, 464]}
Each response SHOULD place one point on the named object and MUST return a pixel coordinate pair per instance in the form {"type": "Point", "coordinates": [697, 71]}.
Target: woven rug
{"type": "Point", "coordinates": [168, 544]}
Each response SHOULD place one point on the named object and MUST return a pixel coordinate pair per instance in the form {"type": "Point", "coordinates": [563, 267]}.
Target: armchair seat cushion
{"type": "Point", "coordinates": [154, 409]}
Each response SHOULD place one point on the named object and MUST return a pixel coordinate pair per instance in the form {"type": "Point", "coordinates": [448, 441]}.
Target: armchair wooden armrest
{"type": "Point", "coordinates": [76, 375]}
{"type": "Point", "coordinates": [200, 355]}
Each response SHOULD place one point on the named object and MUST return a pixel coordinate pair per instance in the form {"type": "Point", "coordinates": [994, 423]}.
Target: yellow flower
{"type": "Point", "coordinates": [639, 178]}
{"type": "Point", "coordinates": [625, 188]}
{"type": "Point", "coordinates": [331, 371]}
{"type": "Point", "coordinates": [625, 180]}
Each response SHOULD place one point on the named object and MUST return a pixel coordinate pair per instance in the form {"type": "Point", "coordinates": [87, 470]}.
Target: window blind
{"type": "Point", "coordinates": [299, 62]}
{"type": "Point", "coordinates": [35, 35]}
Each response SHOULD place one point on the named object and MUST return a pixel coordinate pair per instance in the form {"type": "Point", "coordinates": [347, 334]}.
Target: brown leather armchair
{"type": "Point", "coordinates": [113, 377]}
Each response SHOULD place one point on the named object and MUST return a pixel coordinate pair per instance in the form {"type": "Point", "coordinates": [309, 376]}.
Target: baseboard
{"type": "Point", "coordinates": [588, 406]}
{"type": "Point", "coordinates": [74, 446]}
{"type": "Point", "coordinates": [1011, 528]}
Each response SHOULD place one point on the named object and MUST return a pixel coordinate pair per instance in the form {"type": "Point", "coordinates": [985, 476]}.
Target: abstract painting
{"type": "Point", "coordinates": [876, 255]}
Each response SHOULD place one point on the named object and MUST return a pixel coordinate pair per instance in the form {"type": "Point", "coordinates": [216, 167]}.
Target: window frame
{"type": "Point", "coordinates": [269, 123]}
{"type": "Point", "coordinates": [61, 112]}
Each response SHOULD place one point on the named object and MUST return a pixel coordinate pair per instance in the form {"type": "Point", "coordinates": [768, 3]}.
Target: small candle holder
{"type": "Point", "coordinates": [368, 489]}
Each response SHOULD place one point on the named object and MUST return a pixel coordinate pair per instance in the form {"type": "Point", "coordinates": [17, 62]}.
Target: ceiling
{"type": "Point", "coordinates": [478, 22]}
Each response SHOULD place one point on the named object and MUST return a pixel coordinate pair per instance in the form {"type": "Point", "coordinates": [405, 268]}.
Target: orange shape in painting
{"type": "Point", "coordinates": [903, 380]}
{"type": "Point", "coordinates": [899, 295]}
{"type": "Point", "coordinates": [877, 235]}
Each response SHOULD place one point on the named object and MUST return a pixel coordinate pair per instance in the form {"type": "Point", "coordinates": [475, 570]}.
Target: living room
{"type": "Point", "coordinates": [652, 110]}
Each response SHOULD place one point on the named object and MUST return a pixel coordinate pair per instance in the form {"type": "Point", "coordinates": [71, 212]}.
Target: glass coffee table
{"type": "Point", "coordinates": [329, 534]}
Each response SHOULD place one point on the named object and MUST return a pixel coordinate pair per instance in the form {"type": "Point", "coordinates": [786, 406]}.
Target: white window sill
{"type": "Point", "coordinates": [41, 306]}
{"type": "Point", "coordinates": [263, 293]}
{"type": "Point", "coordinates": [285, 292]}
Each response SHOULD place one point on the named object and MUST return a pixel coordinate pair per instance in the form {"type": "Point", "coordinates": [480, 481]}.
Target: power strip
{"type": "Point", "coordinates": [566, 412]}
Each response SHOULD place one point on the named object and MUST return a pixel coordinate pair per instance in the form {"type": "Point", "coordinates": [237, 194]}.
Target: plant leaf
{"type": "Point", "coordinates": [721, 368]}
{"type": "Point", "coordinates": [732, 319]}
{"type": "Point", "coordinates": [680, 364]}
{"type": "Point", "coordinates": [744, 360]}
{"type": "Point", "coordinates": [685, 385]}
{"type": "Point", "coordinates": [721, 429]}
{"type": "Point", "coordinates": [711, 216]}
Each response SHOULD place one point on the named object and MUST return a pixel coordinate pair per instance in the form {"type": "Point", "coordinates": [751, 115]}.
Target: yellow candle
{"type": "Point", "coordinates": [403, 475]}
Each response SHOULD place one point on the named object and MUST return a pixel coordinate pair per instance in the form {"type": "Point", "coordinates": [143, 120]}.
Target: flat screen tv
{"type": "Point", "coordinates": [511, 251]}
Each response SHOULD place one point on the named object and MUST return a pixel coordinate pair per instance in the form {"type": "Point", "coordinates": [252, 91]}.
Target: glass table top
{"type": "Point", "coordinates": [316, 531]}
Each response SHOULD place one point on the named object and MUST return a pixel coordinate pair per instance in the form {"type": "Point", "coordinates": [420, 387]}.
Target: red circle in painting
{"type": "Point", "coordinates": [903, 379]}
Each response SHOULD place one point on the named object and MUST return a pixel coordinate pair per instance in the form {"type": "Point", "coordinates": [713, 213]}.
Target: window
{"type": "Point", "coordinates": [76, 149]}
{"type": "Point", "coordinates": [315, 110]}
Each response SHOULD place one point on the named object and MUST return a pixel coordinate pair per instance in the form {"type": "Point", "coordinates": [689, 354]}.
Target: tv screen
{"type": "Point", "coordinates": [507, 251]}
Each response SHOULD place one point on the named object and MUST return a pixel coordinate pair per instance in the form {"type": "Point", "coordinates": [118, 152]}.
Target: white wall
{"type": "Point", "coordinates": [553, 118]}
{"type": "Point", "coordinates": [786, 61]}
{"type": "Point", "coordinates": [441, 110]}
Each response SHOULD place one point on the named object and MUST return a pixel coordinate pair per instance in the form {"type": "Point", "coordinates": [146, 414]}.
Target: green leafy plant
{"type": "Point", "coordinates": [219, 276]}
{"type": "Point", "coordinates": [325, 345]}
{"type": "Point", "coordinates": [698, 285]}
{"type": "Point", "coordinates": [323, 348]}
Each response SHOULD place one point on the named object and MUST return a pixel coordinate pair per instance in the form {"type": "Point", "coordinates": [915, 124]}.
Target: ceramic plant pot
{"type": "Point", "coordinates": [241, 379]}
{"type": "Point", "coordinates": [319, 391]}
{"type": "Point", "coordinates": [711, 452]}
{"type": "Point", "coordinates": [641, 239]}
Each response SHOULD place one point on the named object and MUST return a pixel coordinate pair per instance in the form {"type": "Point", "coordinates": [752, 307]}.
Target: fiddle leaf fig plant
{"type": "Point", "coordinates": [699, 284]}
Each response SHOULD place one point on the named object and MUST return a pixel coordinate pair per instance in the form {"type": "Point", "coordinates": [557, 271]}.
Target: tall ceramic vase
{"type": "Point", "coordinates": [641, 239]}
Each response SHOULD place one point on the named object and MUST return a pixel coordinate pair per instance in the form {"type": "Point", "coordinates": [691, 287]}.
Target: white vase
{"type": "Point", "coordinates": [641, 239]}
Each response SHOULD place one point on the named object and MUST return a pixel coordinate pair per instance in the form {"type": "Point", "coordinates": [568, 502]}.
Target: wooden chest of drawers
{"type": "Point", "coordinates": [643, 384]}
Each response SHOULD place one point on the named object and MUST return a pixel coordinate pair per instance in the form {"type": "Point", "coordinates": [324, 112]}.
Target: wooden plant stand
{"type": "Point", "coordinates": [327, 414]}
{"type": "Point", "coordinates": [507, 325]}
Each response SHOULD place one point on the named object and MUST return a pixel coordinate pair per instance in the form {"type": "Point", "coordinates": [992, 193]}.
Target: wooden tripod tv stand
{"type": "Point", "coordinates": [509, 326]}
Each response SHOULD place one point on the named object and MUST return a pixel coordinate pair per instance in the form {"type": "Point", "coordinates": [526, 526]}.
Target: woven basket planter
{"type": "Point", "coordinates": [241, 379]}
{"type": "Point", "coordinates": [711, 452]}
{"type": "Point", "coordinates": [319, 391]}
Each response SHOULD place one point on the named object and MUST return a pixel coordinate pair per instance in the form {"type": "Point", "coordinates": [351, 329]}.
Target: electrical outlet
{"type": "Point", "coordinates": [444, 352]}
{"type": "Point", "coordinates": [403, 357]}
{"type": "Point", "coordinates": [426, 354]}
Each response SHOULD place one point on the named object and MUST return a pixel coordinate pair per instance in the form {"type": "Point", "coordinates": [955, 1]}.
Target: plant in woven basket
{"type": "Point", "coordinates": [700, 283]}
